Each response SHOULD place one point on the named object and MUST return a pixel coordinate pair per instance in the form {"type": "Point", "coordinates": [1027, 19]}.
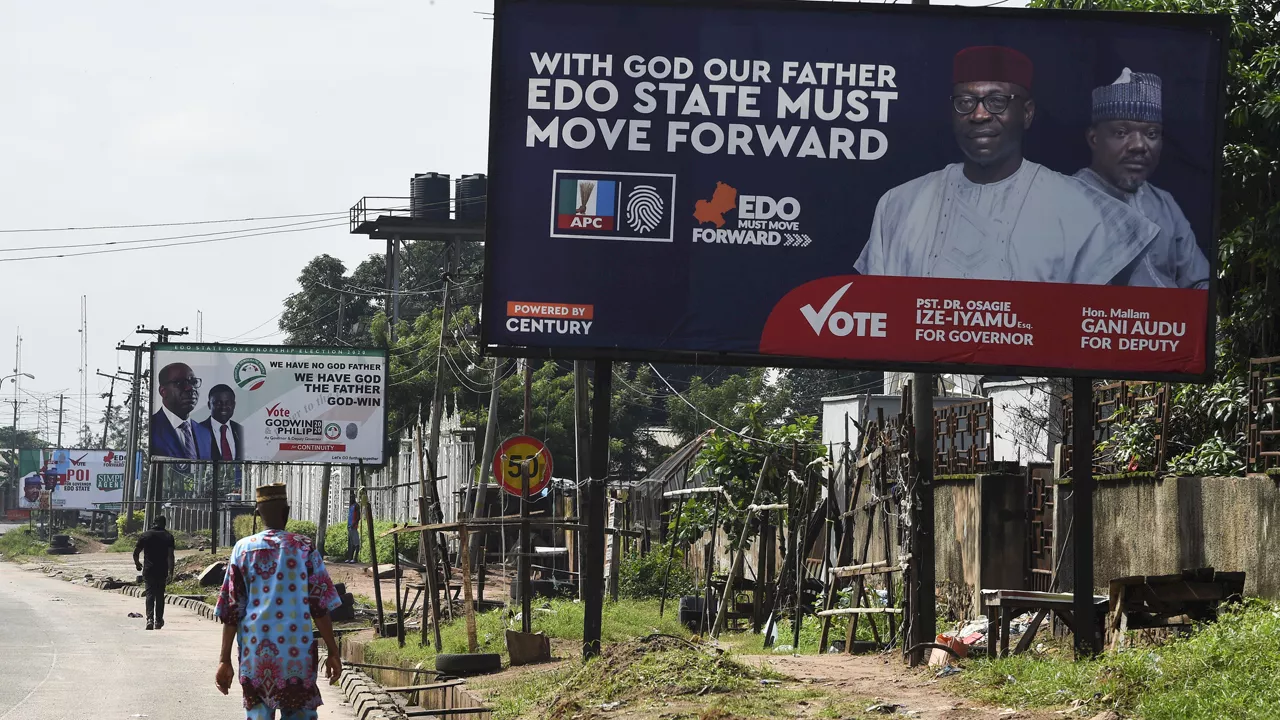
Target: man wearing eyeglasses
{"type": "Point", "coordinates": [173, 433]}
{"type": "Point", "coordinates": [997, 215]}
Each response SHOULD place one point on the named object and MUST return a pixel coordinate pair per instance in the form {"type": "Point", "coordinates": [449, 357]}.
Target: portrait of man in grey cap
{"type": "Point", "coordinates": [1126, 136]}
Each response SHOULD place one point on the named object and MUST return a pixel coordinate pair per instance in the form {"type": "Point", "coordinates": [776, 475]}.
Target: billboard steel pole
{"type": "Point", "coordinates": [1086, 637]}
{"type": "Point", "coordinates": [593, 570]}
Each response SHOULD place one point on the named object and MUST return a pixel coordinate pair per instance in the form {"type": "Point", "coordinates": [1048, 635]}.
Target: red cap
{"type": "Point", "coordinates": [992, 63]}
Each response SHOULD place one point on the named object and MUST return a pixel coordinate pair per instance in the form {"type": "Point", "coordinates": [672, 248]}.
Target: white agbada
{"type": "Point", "coordinates": [1037, 225]}
{"type": "Point", "coordinates": [1173, 259]}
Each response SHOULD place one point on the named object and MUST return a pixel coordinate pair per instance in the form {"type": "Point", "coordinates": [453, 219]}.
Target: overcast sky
{"type": "Point", "coordinates": [130, 112]}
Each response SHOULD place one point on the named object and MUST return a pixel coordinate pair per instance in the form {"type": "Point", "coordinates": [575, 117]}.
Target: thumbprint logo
{"type": "Point", "coordinates": [250, 373]}
{"type": "Point", "coordinates": [644, 208]}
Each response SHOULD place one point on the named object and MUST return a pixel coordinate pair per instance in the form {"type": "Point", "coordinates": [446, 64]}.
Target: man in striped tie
{"type": "Point", "coordinates": [228, 435]}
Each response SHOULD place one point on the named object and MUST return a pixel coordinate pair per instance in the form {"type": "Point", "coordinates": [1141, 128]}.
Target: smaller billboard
{"type": "Point", "coordinates": [72, 479]}
{"type": "Point", "coordinates": [268, 403]}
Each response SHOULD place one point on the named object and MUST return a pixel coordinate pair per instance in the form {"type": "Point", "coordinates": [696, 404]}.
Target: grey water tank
{"type": "Point", "coordinates": [429, 196]}
{"type": "Point", "coordinates": [471, 195]}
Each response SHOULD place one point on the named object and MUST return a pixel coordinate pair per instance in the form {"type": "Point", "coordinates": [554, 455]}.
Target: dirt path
{"type": "Point", "coordinates": [887, 680]}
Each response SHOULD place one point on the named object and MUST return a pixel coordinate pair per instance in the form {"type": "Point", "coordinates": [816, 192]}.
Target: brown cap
{"type": "Point", "coordinates": [267, 493]}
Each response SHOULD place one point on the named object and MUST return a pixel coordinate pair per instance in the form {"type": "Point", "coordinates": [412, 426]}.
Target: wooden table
{"type": "Point", "coordinates": [1002, 605]}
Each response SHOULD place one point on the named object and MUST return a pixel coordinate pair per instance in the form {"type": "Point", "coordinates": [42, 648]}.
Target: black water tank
{"type": "Point", "coordinates": [429, 196]}
{"type": "Point", "coordinates": [470, 195]}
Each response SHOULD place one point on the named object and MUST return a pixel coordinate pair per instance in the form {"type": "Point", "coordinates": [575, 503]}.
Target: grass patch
{"type": "Point", "coordinates": [191, 586]}
{"type": "Point", "coordinates": [21, 543]}
{"type": "Point", "coordinates": [123, 544]}
{"type": "Point", "coordinates": [1225, 669]}
{"type": "Point", "coordinates": [810, 635]}
{"type": "Point", "coordinates": [560, 619]}
{"type": "Point", "coordinates": [653, 672]}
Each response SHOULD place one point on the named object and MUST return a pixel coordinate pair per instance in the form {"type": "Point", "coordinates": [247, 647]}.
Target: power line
{"type": "Point", "coordinates": [177, 244]}
{"type": "Point", "coordinates": [170, 224]}
{"type": "Point", "coordinates": [158, 239]}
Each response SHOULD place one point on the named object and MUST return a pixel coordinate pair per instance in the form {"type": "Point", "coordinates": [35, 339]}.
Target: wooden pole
{"type": "Point", "coordinates": [705, 623]}
{"type": "Point", "coordinates": [433, 597]}
{"type": "Point", "coordinates": [738, 553]}
{"type": "Point", "coordinates": [671, 553]}
{"type": "Point", "coordinates": [373, 548]}
{"type": "Point", "coordinates": [395, 549]}
{"type": "Point", "coordinates": [481, 501]}
{"type": "Point", "coordinates": [469, 608]}
{"type": "Point", "coordinates": [526, 550]}
{"type": "Point", "coordinates": [1087, 642]}
{"type": "Point", "coordinates": [593, 569]}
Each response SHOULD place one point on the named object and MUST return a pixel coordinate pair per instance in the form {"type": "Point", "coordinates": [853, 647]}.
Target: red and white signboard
{"type": "Point", "coordinates": [982, 322]}
{"type": "Point", "coordinates": [510, 456]}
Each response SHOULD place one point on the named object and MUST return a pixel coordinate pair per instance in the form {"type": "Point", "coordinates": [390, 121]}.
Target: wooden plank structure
{"type": "Point", "coordinates": [883, 467]}
{"type": "Point", "coordinates": [1169, 601]}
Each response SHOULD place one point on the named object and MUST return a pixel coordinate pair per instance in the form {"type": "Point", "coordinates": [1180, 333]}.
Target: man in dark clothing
{"type": "Point", "coordinates": [353, 530]}
{"type": "Point", "coordinates": [156, 548]}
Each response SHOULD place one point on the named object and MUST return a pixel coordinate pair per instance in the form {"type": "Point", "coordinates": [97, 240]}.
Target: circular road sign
{"type": "Point", "coordinates": [513, 452]}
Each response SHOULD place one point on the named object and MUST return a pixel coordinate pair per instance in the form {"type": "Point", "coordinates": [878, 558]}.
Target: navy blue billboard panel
{"type": "Point", "coordinates": [828, 183]}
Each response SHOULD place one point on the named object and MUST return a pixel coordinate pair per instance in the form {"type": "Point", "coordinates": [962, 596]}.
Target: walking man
{"type": "Point", "coordinates": [156, 548]}
{"type": "Point", "coordinates": [275, 588]}
{"type": "Point", "coordinates": [353, 529]}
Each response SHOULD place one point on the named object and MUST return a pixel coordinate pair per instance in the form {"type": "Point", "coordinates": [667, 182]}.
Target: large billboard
{"type": "Point", "coordinates": [75, 479]}
{"type": "Point", "coordinates": [859, 185]}
{"type": "Point", "coordinates": [268, 403]}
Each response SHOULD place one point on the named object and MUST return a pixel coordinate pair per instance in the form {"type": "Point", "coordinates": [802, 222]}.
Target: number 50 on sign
{"type": "Point", "coordinates": [514, 452]}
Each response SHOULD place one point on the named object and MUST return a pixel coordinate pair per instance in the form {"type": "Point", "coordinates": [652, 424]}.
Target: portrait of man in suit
{"type": "Point", "coordinates": [173, 432]}
{"type": "Point", "coordinates": [228, 436]}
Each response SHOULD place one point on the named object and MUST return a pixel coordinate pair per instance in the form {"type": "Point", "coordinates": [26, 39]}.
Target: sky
{"type": "Point", "coordinates": [117, 114]}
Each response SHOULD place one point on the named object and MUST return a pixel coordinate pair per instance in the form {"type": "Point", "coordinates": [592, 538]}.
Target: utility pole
{"type": "Point", "coordinates": [924, 596]}
{"type": "Point", "coordinates": [437, 401]}
{"type": "Point", "coordinates": [593, 571]}
{"type": "Point", "coordinates": [528, 394]}
{"type": "Point", "coordinates": [132, 437]}
{"type": "Point", "coordinates": [106, 418]}
{"type": "Point", "coordinates": [59, 441]}
{"type": "Point", "coordinates": [342, 314]}
{"type": "Point", "coordinates": [486, 463]}
{"type": "Point", "coordinates": [393, 282]}
{"type": "Point", "coordinates": [162, 333]}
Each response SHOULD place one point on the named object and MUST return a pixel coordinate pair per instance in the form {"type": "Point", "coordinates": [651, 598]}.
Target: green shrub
{"type": "Point", "coordinates": [302, 527]}
{"type": "Point", "coordinates": [641, 577]}
{"type": "Point", "coordinates": [19, 543]}
{"type": "Point", "coordinates": [127, 526]}
{"type": "Point", "coordinates": [335, 542]}
{"type": "Point", "coordinates": [242, 526]}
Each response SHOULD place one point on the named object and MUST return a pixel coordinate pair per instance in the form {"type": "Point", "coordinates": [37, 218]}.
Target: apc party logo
{"type": "Point", "coordinates": [613, 205]}
{"type": "Point", "coordinates": [250, 373]}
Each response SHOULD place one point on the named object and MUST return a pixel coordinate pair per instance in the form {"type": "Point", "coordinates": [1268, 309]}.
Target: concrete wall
{"type": "Point", "coordinates": [981, 538]}
{"type": "Point", "coordinates": [1162, 526]}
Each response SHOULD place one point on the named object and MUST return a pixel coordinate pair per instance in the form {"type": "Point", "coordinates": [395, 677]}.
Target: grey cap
{"type": "Point", "coordinates": [1133, 96]}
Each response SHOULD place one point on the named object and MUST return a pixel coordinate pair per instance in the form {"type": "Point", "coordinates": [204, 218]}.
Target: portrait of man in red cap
{"type": "Point", "coordinates": [996, 215]}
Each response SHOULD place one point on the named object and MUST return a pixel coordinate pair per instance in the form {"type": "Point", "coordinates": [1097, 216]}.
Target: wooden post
{"type": "Point", "coordinates": [432, 597]}
{"type": "Point", "coordinates": [469, 608]}
{"type": "Point", "coordinates": [373, 548]}
{"type": "Point", "coordinates": [526, 551]}
{"type": "Point", "coordinates": [593, 571]}
{"type": "Point", "coordinates": [1087, 642]}
{"type": "Point", "coordinates": [738, 554]}
{"type": "Point", "coordinates": [705, 622]}
{"type": "Point", "coordinates": [802, 553]}
{"type": "Point", "coordinates": [395, 549]}
{"type": "Point", "coordinates": [615, 544]}
{"type": "Point", "coordinates": [671, 553]}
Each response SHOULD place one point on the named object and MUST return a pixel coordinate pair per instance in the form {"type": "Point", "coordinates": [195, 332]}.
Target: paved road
{"type": "Point", "coordinates": [69, 652]}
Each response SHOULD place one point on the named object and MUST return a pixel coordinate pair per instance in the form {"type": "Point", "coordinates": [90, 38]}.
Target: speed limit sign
{"type": "Point", "coordinates": [514, 452]}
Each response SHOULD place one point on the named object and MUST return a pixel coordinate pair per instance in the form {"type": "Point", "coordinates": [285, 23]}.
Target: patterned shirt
{"type": "Point", "coordinates": [276, 583]}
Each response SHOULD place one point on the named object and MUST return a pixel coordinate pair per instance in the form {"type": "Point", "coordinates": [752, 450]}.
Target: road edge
{"type": "Point", "coordinates": [367, 698]}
